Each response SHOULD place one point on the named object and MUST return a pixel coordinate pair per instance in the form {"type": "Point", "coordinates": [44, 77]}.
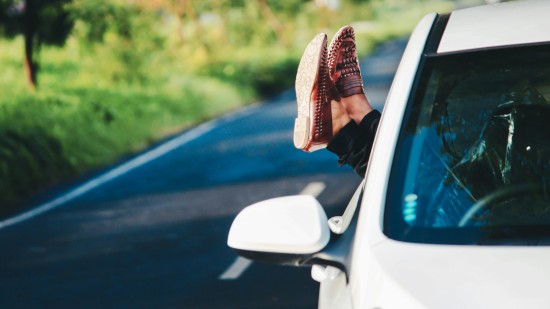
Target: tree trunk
{"type": "Point", "coordinates": [29, 33]}
{"type": "Point", "coordinates": [30, 65]}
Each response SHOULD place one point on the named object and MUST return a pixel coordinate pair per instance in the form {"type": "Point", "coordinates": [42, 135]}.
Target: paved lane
{"type": "Point", "coordinates": [154, 236]}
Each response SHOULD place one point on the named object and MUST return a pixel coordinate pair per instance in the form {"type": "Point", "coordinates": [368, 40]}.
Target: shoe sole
{"type": "Point", "coordinates": [306, 78]}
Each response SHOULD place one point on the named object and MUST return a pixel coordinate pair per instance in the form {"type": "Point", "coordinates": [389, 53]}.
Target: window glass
{"type": "Point", "coordinates": [473, 160]}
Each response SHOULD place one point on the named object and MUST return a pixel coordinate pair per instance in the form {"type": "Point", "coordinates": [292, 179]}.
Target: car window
{"type": "Point", "coordinates": [473, 162]}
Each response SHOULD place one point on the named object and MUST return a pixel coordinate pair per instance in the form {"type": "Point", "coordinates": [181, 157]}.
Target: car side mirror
{"type": "Point", "coordinates": [284, 230]}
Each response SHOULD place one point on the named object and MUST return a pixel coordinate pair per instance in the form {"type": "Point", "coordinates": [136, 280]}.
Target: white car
{"type": "Point", "coordinates": [454, 211]}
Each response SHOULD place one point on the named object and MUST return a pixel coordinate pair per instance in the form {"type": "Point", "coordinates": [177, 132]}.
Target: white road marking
{"type": "Point", "coordinates": [236, 269]}
{"type": "Point", "coordinates": [241, 264]}
{"type": "Point", "coordinates": [314, 189]}
{"type": "Point", "coordinates": [128, 166]}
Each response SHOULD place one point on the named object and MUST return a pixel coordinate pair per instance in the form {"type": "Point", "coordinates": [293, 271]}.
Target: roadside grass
{"type": "Point", "coordinates": [74, 124]}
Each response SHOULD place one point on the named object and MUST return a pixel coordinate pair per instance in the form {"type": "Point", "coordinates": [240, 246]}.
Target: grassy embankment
{"type": "Point", "coordinates": [96, 105]}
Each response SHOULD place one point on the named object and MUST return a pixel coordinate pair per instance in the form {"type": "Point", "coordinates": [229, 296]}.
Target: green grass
{"type": "Point", "coordinates": [74, 124]}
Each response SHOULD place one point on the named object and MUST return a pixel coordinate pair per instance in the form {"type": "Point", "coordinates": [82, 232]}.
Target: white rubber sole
{"type": "Point", "coordinates": [306, 78]}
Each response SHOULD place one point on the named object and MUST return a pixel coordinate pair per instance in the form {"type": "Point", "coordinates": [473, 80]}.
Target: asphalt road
{"type": "Point", "coordinates": [151, 232]}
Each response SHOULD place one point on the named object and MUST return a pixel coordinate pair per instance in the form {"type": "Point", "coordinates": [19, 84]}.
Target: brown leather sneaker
{"type": "Point", "coordinates": [313, 125]}
{"type": "Point", "coordinates": [343, 65]}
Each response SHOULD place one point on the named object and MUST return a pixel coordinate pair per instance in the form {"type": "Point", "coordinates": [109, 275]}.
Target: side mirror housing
{"type": "Point", "coordinates": [285, 230]}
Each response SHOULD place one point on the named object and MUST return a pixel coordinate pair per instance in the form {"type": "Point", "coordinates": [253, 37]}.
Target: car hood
{"type": "Point", "coordinates": [438, 276]}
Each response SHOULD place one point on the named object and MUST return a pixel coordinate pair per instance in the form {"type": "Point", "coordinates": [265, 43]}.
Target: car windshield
{"type": "Point", "coordinates": [473, 161]}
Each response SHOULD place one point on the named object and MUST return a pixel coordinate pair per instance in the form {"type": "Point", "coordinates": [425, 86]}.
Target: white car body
{"type": "Point", "coordinates": [389, 274]}
{"type": "Point", "coordinates": [383, 273]}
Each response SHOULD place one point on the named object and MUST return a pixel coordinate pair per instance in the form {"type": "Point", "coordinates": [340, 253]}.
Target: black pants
{"type": "Point", "coordinates": [353, 143]}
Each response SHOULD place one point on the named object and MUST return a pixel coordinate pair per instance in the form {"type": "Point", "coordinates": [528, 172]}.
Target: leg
{"type": "Point", "coordinates": [353, 143]}
{"type": "Point", "coordinates": [357, 106]}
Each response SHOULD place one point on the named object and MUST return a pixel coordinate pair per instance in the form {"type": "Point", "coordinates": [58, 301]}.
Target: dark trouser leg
{"type": "Point", "coordinates": [353, 143]}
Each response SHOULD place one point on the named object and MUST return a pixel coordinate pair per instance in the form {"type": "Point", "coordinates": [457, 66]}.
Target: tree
{"type": "Point", "coordinates": [40, 22]}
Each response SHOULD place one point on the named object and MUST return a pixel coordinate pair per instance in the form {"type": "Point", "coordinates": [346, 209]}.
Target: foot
{"type": "Point", "coordinates": [313, 125]}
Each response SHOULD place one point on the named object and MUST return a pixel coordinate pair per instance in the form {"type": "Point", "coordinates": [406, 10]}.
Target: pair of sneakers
{"type": "Point", "coordinates": [323, 76]}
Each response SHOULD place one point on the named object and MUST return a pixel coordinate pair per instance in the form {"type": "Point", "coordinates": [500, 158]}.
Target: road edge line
{"type": "Point", "coordinates": [236, 269]}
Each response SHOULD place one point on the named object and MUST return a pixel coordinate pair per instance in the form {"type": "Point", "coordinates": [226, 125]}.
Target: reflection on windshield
{"type": "Point", "coordinates": [476, 149]}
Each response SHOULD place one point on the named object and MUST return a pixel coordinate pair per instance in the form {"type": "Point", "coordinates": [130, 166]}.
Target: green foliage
{"type": "Point", "coordinates": [266, 73]}
{"type": "Point", "coordinates": [131, 73]}
{"type": "Point", "coordinates": [124, 35]}
{"type": "Point", "coordinates": [77, 122]}
{"type": "Point", "coordinates": [48, 18]}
